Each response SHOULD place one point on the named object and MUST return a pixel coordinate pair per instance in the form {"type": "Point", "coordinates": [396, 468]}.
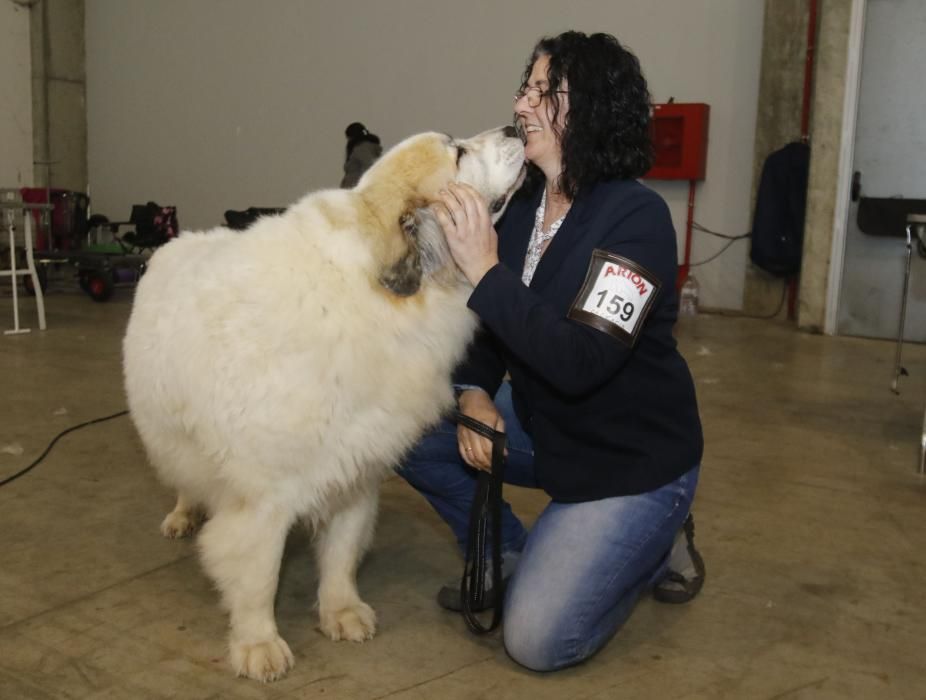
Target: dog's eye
{"type": "Point", "coordinates": [461, 151]}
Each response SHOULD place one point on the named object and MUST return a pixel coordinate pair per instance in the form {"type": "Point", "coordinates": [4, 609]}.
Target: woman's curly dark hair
{"type": "Point", "coordinates": [607, 128]}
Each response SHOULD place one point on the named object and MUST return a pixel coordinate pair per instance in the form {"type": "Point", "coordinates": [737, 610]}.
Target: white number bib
{"type": "Point", "coordinates": [616, 297]}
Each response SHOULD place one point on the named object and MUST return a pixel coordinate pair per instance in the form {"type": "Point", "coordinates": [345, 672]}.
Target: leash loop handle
{"type": "Point", "coordinates": [485, 520]}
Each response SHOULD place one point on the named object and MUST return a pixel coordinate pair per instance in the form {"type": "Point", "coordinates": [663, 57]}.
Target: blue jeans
{"type": "Point", "coordinates": [582, 566]}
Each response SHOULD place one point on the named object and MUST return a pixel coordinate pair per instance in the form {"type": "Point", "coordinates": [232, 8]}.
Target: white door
{"type": "Point", "coordinates": [890, 155]}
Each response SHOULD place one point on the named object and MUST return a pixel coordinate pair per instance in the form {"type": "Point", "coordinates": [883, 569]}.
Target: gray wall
{"type": "Point", "coordinates": [15, 93]}
{"type": "Point", "coordinates": [220, 104]}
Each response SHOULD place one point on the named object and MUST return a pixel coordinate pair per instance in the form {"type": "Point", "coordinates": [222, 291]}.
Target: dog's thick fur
{"type": "Point", "coordinates": [277, 374]}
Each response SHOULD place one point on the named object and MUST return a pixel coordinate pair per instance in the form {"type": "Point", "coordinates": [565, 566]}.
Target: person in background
{"type": "Point", "coordinates": [576, 362]}
{"type": "Point", "coordinates": [363, 148]}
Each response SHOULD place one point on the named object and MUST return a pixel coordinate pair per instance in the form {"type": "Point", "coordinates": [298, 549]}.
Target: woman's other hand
{"type": "Point", "coordinates": [475, 449]}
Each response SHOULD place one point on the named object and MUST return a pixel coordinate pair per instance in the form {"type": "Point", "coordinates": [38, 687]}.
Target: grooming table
{"type": "Point", "coordinates": [898, 216]}
{"type": "Point", "coordinates": [9, 210]}
{"type": "Point", "coordinates": [916, 233]}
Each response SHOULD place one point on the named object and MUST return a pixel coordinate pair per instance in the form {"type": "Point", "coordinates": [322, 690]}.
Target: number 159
{"type": "Point", "coordinates": [614, 305]}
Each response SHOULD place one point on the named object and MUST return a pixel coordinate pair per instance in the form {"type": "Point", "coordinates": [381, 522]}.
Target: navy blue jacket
{"type": "Point", "coordinates": [607, 418]}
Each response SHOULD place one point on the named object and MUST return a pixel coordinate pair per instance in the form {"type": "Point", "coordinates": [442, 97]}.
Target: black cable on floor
{"type": "Point", "coordinates": [52, 444]}
{"type": "Point", "coordinates": [781, 303]}
{"type": "Point", "coordinates": [761, 317]}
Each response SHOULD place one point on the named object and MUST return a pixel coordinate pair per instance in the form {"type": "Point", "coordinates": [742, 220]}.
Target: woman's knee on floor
{"type": "Point", "coordinates": [538, 641]}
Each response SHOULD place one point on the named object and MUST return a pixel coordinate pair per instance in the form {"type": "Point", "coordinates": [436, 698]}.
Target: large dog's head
{"type": "Point", "coordinates": [400, 187]}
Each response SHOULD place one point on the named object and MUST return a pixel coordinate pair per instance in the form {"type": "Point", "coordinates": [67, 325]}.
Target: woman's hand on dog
{"type": "Point", "coordinates": [475, 449]}
{"type": "Point", "coordinates": [464, 216]}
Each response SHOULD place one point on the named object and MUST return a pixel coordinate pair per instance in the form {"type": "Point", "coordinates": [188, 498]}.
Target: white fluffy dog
{"type": "Point", "coordinates": [278, 374]}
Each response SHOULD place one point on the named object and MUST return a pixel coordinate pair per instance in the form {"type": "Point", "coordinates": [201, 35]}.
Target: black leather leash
{"type": "Point", "coordinates": [485, 515]}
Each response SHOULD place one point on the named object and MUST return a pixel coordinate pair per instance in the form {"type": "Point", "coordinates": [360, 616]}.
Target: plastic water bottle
{"type": "Point", "coordinates": [688, 297]}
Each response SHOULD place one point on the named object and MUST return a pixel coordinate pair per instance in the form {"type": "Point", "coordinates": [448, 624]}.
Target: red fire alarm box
{"type": "Point", "coordinates": [679, 141]}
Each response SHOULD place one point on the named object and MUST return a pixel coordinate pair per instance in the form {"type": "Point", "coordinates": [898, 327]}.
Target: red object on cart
{"type": "Point", "coordinates": [68, 221]}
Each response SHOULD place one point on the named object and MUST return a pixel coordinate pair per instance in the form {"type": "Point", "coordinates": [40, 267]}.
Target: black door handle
{"type": "Point", "coordinates": [856, 190]}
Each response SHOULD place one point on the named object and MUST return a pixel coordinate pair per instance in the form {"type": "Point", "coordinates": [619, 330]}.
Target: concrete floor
{"type": "Point", "coordinates": [811, 518]}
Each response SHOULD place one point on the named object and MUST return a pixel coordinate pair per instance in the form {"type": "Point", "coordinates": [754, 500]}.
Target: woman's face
{"type": "Point", "coordinates": [543, 145]}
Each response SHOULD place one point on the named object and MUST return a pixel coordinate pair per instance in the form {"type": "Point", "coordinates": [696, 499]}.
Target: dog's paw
{"type": "Point", "coordinates": [265, 662]}
{"type": "Point", "coordinates": [355, 623]}
{"type": "Point", "coordinates": [180, 524]}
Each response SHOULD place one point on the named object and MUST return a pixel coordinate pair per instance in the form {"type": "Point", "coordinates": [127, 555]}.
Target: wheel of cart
{"type": "Point", "coordinates": [98, 284]}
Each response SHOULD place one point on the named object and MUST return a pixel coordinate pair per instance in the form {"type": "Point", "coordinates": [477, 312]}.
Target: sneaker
{"type": "Point", "coordinates": [450, 597]}
{"type": "Point", "coordinates": [686, 569]}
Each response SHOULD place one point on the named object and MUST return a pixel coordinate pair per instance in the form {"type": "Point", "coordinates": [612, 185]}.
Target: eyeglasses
{"type": "Point", "coordinates": [535, 95]}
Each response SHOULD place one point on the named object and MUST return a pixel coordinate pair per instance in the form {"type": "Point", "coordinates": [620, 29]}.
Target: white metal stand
{"type": "Point", "coordinates": [916, 235]}
{"type": "Point", "coordinates": [916, 230]}
{"type": "Point", "coordinates": [899, 369]}
{"type": "Point", "coordinates": [10, 209]}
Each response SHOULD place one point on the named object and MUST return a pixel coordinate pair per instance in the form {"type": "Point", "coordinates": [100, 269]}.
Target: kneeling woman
{"type": "Point", "coordinates": [576, 294]}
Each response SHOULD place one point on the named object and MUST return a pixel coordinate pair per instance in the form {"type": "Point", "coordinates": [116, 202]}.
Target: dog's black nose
{"type": "Point", "coordinates": [510, 132]}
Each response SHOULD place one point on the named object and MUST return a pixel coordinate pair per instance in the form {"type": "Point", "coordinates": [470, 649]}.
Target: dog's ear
{"type": "Point", "coordinates": [403, 277]}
